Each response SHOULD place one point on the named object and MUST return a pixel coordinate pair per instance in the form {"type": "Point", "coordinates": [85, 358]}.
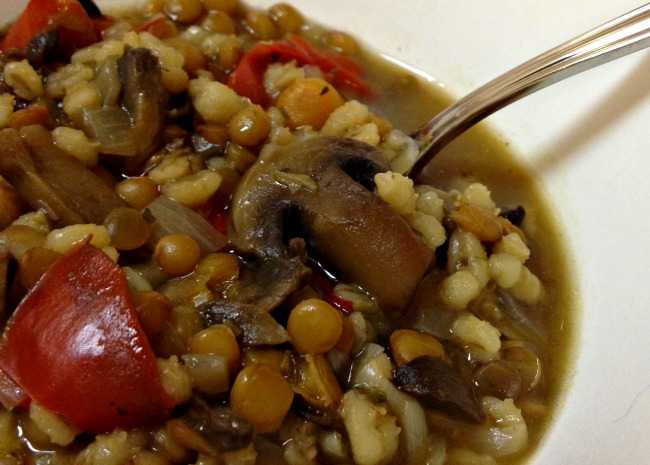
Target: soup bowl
{"type": "Point", "coordinates": [586, 141]}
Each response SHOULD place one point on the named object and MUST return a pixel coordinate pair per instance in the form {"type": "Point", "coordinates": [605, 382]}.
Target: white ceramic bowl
{"type": "Point", "coordinates": [588, 140]}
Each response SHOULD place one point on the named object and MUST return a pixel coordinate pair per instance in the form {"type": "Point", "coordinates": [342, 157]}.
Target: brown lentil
{"type": "Point", "coordinates": [342, 42]}
{"type": "Point", "coordinates": [194, 57]}
{"type": "Point", "coordinates": [262, 396]}
{"type": "Point", "coordinates": [314, 326]}
{"type": "Point", "coordinates": [260, 25]}
{"type": "Point", "coordinates": [309, 102]}
{"type": "Point", "coordinates": [183, 11]}
{"type": "Point", "coordinates": [229, 6]}
{"type": "Point", "coordinates": [218, 340]}
{"type": "Point", "coordinates": [34, 263]}
{"type": "Point", "coordinates": [250, 126]}
{"type": "Point", "coordinates": [217, 135]}
{"type": "Point", "coordinates": [273, 358]}
{"type": "Point", "coordinates": [240, 157]}
{"type": "Point", "coordinates": [153, 310]}
{"type": "Point", "coordinates": [219, 22]}
{"type": "Point", "coordinates": [127, 228]}
{"type": "Point", "coordinates": [137, 192]}
{"type": "Point", "coordinates": [286, 17]}
{"type": "Point", "coordinates": [218, 268]}
{"type": "Point", "coordinates": [177, 254]}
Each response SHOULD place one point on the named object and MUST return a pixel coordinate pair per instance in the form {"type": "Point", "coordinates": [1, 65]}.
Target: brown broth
{"type": "Point", "coordinates": [481, 155]}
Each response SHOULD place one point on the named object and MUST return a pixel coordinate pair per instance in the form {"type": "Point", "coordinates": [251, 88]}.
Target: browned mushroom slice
{"type": "Point", "coordinates": [255, 327]}
{"type": "Point", "coordinates": [218, 425]}
{"type": "Point", "coordinates": [320, 189]}
{"type": "Point", "coordinates": [47, 178]}
{"type": "Point", "coordinates": [437, 385]}
{"type": "Point", "coordinates": [267, 282]}
{"type": "Point", "coordinates": [132, 129]}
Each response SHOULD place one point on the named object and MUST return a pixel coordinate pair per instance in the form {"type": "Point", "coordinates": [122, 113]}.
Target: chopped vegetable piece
{"type": "Point", "coordinates": [173, 218]}
{"type": "Point", "coordinates": [41, 173]}
{"type": "Point", "coordinates": [68, 18]}
{"type": "Point", "coordinates": [103, 373]}
{"type": "Point", "coordinates": [437, 385]}
{"type": "Point", "coordinates": [248, 77]}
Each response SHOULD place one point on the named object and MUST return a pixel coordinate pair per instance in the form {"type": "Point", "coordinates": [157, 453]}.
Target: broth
{"type": "Point", "coordinates": [242, 275]}
{"type": "Point", "coordinates": [481, 154]}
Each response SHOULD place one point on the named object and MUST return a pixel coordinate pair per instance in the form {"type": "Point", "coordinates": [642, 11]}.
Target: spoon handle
{"type": "Point", "coordinates": [609, 41]}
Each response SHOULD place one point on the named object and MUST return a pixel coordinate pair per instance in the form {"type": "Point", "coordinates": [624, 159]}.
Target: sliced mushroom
{"type": "Point", "coordinates": [313, 379]}
{"type": "Point", "coordinates": [257, 327]}
{"type": "Point", "coordinates": [134, 129]}
{"type": "Point", "coordinates": [498, 379]}
{"type": "Point", "coordinates": [218, 425]}
{"type": "Point", "coordinates": [47, 178]}
{"type": "Point", "coordinates": [320, 189]}
{"type": "Point", "coordinates": [267, 282]}
{"type": "Point", "coordinates": [437, 385]}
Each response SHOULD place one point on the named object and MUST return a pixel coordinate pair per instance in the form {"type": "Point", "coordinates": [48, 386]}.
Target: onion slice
{"type": "Point", "coordinates": [173, 218]}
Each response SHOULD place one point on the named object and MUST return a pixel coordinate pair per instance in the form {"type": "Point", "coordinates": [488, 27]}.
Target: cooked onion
{"type": "Point", "coordinates": [173, 218]}
{"type": "Point", "coordinates": [111, 127]}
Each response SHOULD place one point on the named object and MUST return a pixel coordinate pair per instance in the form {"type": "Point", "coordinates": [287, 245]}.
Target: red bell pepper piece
{"type": "Point", "coordinates": [215, 211]}
{"type": "Point", "coordinates": [323, 285]}
{"type": "Point", "coordinates": [67, 17]}
{"type": "Point", "coordinates": [248, 78]}
{"type": "Point", "coordinates": [159, 26]}
{"type": "Point", "coordinates": [75, 346]}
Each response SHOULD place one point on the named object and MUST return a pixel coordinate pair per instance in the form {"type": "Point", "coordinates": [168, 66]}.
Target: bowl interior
{"type": "Point", "coordinates": [586, 139]}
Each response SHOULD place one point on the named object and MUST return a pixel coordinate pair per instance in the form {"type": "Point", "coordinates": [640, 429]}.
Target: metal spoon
{"type": "Point", "coordinates": [613, 39]}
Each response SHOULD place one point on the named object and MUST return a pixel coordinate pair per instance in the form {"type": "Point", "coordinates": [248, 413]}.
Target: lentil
{"type": "Point", "coordinates": [286, 17]}
{"type": "Point", "coordinates": [33, 263]}
{"type": "Point", "coordinates": [219, 22]}
{"type": "Point", "coordinates": [217, 340]}
{"type": "Point", "coordinates": [342, 42]}
{"type": "Point", "coordinates": [183, 11]}
{"type": "Point", "coordinates": [177, 254]}
{"type": "Point", "coordinates": [260, 25]}
{"type": "Point", "coordinates": [228, 6]}
{"type": "Point", "coordinates": [314, 326]}
{"type": "Point", "coordinates": [137, 192]}
{"type": "Point", "coordinates": [250, 126]}
{"type": "Point", "coordinates": [261, 396]}
{"type": "Point", "coordinates": [308, 102]}
{"type": "Point", "coordinates": [153, 311]}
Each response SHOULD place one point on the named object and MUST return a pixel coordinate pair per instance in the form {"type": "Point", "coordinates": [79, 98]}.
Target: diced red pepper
{"type": "Point", "coordinates": [159, 26]}
{"type": "Point", "coordinates": [216, 212]}
{"type": "Point", "coordinates": [324, 286]}
{"type": "Point", "coordinates": [342, 304]}
{"type": "Point", "coordinates": [75, 346]}
{"type": "Point", "coordinates": [248, 78]}
{"type": "Point", "coordinates": [74, 27]}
